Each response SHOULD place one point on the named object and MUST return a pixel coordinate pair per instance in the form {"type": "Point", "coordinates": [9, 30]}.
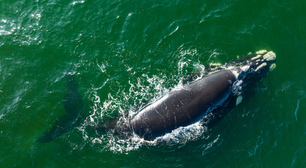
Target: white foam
{"type": "Point", "coordinates": [181, 135]}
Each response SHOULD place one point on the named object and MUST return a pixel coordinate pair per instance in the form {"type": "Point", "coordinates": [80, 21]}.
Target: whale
{"type": "Point", "coordinates": [204, 99]}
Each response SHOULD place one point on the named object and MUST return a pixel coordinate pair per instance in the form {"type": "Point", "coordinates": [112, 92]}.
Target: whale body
{"type": "Point", "coordinates": [224, 88]}
{"type": "Point", "coordinates": [185, 106]}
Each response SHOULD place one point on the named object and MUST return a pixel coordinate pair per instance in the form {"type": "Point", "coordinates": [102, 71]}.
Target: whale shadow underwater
{"type": "Point", "coordinates": [73, 104]}
{"type": "Point", "coordinates": [207, 100]}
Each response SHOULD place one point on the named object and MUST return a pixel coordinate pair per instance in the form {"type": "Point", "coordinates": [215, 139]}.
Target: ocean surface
{"type": "Point", "coordinates": [125, 53]}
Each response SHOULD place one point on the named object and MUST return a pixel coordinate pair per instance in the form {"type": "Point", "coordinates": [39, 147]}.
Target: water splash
{"type": "Point", "coordinates": [127, 103]}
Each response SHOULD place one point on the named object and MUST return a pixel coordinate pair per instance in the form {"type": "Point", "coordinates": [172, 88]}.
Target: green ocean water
{"type": "Point", "coordinates": [125, 53]}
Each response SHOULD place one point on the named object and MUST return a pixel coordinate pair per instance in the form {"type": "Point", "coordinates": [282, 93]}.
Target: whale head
{"type": "Point", "coordinates": [264, 63]}
{"type": "Point", "coordinates": [251, 70]}
{"type": "Point", "coordinates": [257, 66]}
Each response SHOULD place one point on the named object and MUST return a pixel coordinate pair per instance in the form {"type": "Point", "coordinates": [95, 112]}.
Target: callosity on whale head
{"type": "Point", "coordinates": [261, 63]}
{"type": "Point", "coordinates": [252, 70]}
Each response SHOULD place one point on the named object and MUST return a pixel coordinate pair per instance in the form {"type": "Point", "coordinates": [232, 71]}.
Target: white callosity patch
{"type": "Point", "coordinates": [239, 100]}
{"type": "Point", "coordinates": [270, 56]}
{"type": "Point", "coordinates": [261, 52]}
{"type": "Point", "coordinates": [256, 57]}
{"type": "Point", "coordinates": [245, 68]}
{"type": "Point", "coordinates": [260, 66]}
{"type": "Point", "coordinates": [272, 67]}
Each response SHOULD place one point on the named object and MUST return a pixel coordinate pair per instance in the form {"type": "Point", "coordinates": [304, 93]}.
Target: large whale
{"type": "Point", "coordinates": [207, 99]}
{"type": "Point", "coordinates": [203, 99]}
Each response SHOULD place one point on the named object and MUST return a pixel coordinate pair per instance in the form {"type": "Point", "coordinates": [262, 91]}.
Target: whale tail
{"type": "Point", "coordinates": [73, 104]}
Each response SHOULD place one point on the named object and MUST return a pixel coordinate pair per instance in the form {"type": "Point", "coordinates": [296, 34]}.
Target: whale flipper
{"type": "Point", "coordinates": [73, 104]}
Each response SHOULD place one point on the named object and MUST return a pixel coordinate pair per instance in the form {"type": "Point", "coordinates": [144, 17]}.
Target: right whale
{"type": "Point", "coordinates": [204, 99]}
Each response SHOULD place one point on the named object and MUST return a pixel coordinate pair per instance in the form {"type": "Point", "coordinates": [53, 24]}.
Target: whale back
{"type": "Point", "coordinates": [185, 106]}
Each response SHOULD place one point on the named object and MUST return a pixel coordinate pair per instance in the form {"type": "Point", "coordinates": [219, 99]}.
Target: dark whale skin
{"type": "Point", "coordinates": [185, 106]}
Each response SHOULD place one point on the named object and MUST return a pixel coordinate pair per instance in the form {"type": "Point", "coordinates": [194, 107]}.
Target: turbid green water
{"type": "Point", "coordinates": [128, 52]}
